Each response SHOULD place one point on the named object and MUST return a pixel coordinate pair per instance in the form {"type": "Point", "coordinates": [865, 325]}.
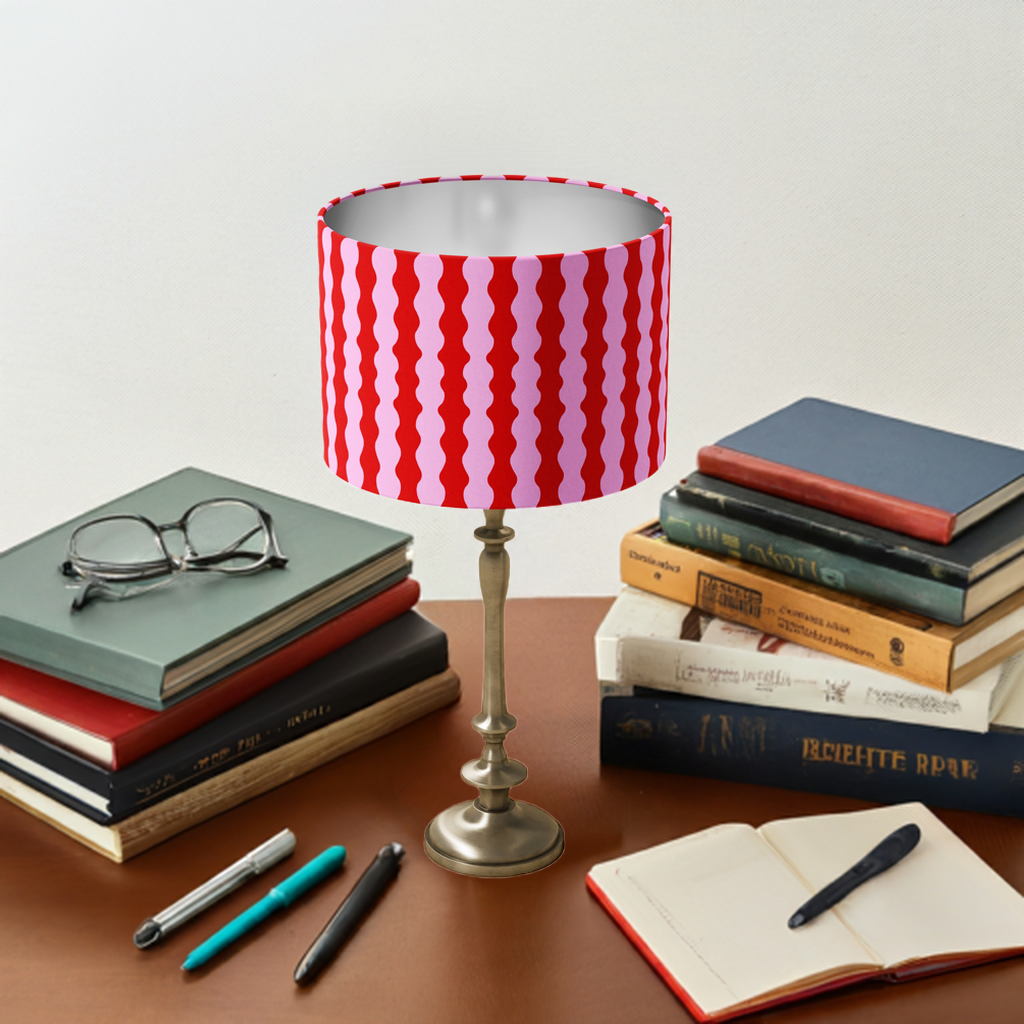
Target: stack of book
{"type": "Point", "coordinates": [128, 721]}
{"type": "Point", "coordinates": [833, 602]}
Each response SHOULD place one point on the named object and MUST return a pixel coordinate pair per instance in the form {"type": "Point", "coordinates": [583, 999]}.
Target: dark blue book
{"type": "Point", "coordinates": [387, 660]}
{"type": "Point", "coordinates": [867, 759]}
{"type": "Point", "coordinates": [903, 476]}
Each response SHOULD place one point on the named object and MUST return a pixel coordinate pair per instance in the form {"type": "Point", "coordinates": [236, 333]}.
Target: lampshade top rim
{"type": "Point", "coordinates": [495, 217]}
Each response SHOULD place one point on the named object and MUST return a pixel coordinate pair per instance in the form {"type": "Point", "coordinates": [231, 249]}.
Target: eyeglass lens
{"type": "Point", "coordinates": [121, 540]}
{"type": "Point", "coordinates": [225, 527]}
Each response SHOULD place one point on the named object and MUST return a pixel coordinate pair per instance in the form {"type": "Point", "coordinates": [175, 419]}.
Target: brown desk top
{"type": "Point", "coordinates": [440, 947]}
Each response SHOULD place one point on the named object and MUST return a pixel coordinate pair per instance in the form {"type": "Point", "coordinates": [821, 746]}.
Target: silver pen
{"type": "Point", "coordinates": [255, 862]}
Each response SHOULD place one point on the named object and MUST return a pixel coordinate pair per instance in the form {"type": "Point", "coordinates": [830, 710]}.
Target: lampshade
{"type": "Point", "coordinates": [494, 342]}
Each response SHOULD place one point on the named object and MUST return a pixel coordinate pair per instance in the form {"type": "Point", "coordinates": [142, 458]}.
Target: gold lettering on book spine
{"type": "Point", "coordinates": [855, 755]}
{"type": "Point", "coordinates": [733, 736]}
{"type": "Point", "coordinates": [936, 766]}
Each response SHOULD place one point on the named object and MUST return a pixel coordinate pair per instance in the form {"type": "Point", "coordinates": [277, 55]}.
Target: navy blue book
{"type": "Point", "coordinates": [903, 476]}
{"type": "Point", "coordinates": [950, 582]}
{"type": "Point", "coordinates": [385, 661]}
{"type": "Point", "coordinates": [867, 759]}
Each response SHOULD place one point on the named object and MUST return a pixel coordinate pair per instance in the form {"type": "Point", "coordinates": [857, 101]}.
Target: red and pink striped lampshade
{"type": "Point", "coordinates": [494, 342]}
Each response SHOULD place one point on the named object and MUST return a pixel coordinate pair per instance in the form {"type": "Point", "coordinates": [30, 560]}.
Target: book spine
{"type": "Point", "coordinates": [712, 530]}
{"type": "Point", "coordinates": [902, 644]}
{"type": "Point", "coordinates": [858, 503]}
{"type": "Point", "coordinates": [866, 759]}
{"type": "Point", "coordinates": [822, 685]}
{"type": "Point", "coordinates": [279, 766]}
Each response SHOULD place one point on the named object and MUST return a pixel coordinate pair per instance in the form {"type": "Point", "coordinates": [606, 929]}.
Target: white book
{"type": "Point", "coordinates": [641, 643]}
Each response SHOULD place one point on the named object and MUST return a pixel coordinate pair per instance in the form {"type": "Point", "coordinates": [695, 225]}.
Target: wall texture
{"type": "Point", "coordinates": [845, 182]}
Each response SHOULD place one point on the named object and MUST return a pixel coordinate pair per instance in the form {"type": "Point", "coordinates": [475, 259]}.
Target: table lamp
{"type": "Point", "coordinates": [494, 343]}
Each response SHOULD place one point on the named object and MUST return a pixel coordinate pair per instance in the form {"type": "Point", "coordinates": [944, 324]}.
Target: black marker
{"type": "Point", "coordinates": [888, 852]}
{"type": "Point", "coordinates": [356, 905]}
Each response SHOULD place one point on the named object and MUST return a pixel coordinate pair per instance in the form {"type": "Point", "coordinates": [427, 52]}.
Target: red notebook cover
{"type": "Point", "coordinates": [77, 718]}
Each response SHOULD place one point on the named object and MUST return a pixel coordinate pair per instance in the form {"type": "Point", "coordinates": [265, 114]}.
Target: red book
{"type": "Point", "coordinates": [113, 732]}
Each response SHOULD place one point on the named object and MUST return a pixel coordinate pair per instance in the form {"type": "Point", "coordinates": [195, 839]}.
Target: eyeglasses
{"type": "Point", "coordinates": [120, 556]}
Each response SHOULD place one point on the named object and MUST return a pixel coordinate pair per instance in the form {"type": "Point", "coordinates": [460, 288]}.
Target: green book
{"type": "Point", "coordinates": [157, 647]}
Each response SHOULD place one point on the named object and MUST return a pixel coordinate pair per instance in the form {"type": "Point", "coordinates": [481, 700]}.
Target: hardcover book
{"type": "Point", "coordinates": [155, 648]}
{"type": "Point", "coordinates": [952, 583]}
{"type": "Point", "coordinates": [863, 758]}
{"type": "Point", "coordinates": [709, 911]}
{"type": "Point", "coordinates": [389, 659]}
{"type": "Point", "coordinates": [903, 476]}
{"type": "Point", "coordinates": [653, 642]}
{"type": "Point", "coordinates": [915, 648]}
{"type": "Point", "coordinates": [113, 733]}
{"type": "Point", "coordinates": [192, 806]}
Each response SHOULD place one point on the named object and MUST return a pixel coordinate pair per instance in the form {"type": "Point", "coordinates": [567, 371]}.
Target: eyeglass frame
{"type": "Point", "coordinates": [97, 574]}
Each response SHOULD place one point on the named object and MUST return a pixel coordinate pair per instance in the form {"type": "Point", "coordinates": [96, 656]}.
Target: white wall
{"type": "Point", "coordinates": [845, 181]}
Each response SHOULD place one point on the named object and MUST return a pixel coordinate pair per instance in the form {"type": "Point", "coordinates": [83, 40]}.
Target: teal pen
{"type": "Point", "coordinates": [279, 897]}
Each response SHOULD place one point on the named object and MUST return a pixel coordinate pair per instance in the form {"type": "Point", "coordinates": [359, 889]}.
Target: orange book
{"type": "Point", "coordinates": [921, 650]}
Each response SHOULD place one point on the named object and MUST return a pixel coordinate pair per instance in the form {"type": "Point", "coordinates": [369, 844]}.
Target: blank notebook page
{"type": "Point", "coordinates": [941, 898]}
{"type": "Point", "coordinates": [713, 908]}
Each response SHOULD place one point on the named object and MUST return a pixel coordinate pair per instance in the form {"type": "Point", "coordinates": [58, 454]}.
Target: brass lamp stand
{"type": "Point", "coordinates": [494, 836]}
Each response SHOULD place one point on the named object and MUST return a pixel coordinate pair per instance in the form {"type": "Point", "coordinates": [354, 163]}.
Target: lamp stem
{"type": "Point", "coordinates": [494, 835]}
{"type": "Point", "coordinates": [494, 774]}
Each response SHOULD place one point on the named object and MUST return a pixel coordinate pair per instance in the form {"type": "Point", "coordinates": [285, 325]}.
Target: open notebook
{"type": "Point", "coordinates": [710, 910]}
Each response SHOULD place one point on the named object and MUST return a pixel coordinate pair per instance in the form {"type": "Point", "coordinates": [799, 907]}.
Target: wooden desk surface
{"type": "Point", "coordinates": [439, 947]}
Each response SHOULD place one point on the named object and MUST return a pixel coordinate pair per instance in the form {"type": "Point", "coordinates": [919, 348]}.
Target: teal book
{"type": "Point", "coordinates": [952, 583]}
{"type": "Point", "coordinates": [158, 647]}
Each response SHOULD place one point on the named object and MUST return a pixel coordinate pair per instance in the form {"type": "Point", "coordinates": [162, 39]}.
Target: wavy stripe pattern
{"type": "Point", "coordinates": [494, 382]}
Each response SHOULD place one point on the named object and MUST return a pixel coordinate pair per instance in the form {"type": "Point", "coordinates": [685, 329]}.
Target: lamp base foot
{"type": "Point", "coordinates": [494, 844]}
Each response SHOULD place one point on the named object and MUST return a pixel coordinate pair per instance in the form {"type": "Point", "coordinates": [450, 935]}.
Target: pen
{"type": "Point", "coordinates": [888, 852]}
{"type": "Point", "coordinates": [279, 897]}
{"type": "Point", "coordinates": [356, 905]}
{"type": "Point", "coordinates": [255, 862]}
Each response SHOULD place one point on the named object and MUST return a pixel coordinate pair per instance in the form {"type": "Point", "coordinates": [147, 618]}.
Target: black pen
{"type": "Point", "coordinates": [356, 905]}
{"type": "Point", "coordinates": [888, 852]}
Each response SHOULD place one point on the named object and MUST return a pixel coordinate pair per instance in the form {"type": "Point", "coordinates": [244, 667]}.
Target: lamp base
{"type": "Point", "coordinates": [494, 844]}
